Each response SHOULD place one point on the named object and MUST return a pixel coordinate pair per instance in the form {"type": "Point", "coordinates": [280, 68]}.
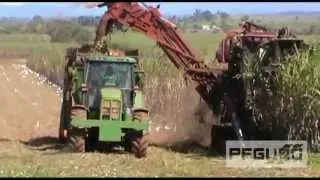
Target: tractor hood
{"type": "Point", "coordinates": [109, 108]}
{"type": "Point", "coordinates": [111, 93]}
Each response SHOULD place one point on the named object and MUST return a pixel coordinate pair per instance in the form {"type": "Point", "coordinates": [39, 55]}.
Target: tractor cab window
{"type": "Point", "coordinates": [107, 74]}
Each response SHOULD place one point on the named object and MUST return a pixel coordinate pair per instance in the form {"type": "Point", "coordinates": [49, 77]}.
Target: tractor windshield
{"type": "Point", "coordinates": [109, 74]}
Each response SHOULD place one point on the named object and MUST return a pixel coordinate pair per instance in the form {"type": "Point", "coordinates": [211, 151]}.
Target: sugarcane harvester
{"type": "Point", "coordinates": [269, 49]}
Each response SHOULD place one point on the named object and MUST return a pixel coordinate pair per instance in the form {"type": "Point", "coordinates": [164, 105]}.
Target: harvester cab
{"type": "Point", "coordinates": [102, 106]}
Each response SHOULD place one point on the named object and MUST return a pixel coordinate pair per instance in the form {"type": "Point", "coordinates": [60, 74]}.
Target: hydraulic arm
{"type": "Point", "coordinates": [149, 21]}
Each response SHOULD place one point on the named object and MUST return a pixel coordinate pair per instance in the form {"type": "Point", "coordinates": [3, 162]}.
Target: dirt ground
{"type": "Point", "coordinates": [30, 111]}
{"type": "Point", "coordinates": [29, 108]}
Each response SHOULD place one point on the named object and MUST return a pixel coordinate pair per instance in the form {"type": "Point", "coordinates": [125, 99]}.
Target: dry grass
{"type": "Point", "coordinates": [18, 160]}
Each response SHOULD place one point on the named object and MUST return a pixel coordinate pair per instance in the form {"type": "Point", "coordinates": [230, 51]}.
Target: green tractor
{"type": "Point", "coordinates": [103, 103]}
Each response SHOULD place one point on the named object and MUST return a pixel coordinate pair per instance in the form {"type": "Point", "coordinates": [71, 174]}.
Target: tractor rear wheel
{"type": "Point", "coordinates": [77, 136]}
{"type": "Point", "coordinates": [62, 128]}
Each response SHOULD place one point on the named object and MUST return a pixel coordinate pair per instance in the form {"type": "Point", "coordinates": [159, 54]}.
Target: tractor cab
{"type": "Point", "coordinates": [110, 78]}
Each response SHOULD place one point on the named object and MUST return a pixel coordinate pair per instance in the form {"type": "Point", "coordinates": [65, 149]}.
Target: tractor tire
{"type": "Point", "coordinates": [62, 136]}
{"type": "Point", "coordinates": [140, 146]}
{"type": "Point", "coordinates": [92, 141]}
{"type": "Point", "coordinates": [219, 136]}
{"type": "Point", "coordinates": [128, 138]}
{"type": "Point", "coordinates": [77, 137]}
{"type": "Point", "coordinates": [77, 140]}
{"type": "Point", "coordinates": [136, 143]}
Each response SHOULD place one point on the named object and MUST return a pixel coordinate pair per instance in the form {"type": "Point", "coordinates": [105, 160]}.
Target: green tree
{"type": "Point", "coordinates": [214, 18]}
{"type": "Point", "coordinates": [245, 18]}
{"type": "Point", "coordinates": [36, 25]}
{"type": "Point", "coordinates": [196, 26]}
{"type": "Point", "coordinates": [207, 15]}
{"type": "Point", "coordinates": [312, 29]}
{"type": "Point", "coordinates": [223, 19]}
{"type": "Point", "coordinates": [64, 31]}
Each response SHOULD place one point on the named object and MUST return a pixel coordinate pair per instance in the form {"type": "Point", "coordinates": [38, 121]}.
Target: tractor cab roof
{"type": "Point", "coordinates": [106, 58]}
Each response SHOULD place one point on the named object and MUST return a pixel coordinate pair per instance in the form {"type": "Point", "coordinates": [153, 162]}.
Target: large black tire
{"type": "Point", "coordinates": [92, 141]}
{"type": "Point", "coordinates": [136, 143]}
{"type": "Point", "coordinates": [62, 138]}
{"type": "Point", "coordinates": [219, 136]}
{"type": "Point", "coordinates": [77, 137]}
{"type": "Point", "coordinates": [77, 140]}
{"type": "Point", "coordinates": [62, 127]}
{"type": "Point", "coordinates": [140, 146]}
{"type": "Point", "coordinates": [128, 138]}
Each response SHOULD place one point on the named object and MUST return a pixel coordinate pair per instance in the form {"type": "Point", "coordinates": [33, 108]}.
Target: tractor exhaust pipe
{"type": "Point", "coordinates": [235, 121]}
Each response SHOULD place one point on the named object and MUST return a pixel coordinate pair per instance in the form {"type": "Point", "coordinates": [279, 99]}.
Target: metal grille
{"type": "Point", "coordinates": [111, 109]}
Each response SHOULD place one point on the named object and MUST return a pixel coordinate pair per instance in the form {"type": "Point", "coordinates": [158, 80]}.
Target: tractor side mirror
{"type": "Point", "coordinates": [139, 80]}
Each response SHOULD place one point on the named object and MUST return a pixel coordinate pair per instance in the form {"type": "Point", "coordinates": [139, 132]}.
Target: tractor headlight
{"type": "Point", "coordinates": [111, 109]}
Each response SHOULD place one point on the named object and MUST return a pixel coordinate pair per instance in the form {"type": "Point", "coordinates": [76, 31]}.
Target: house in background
{"type": "Point", "coordinates": [206, 27]}
{"type": "Point", "coordinates": [211, 28]}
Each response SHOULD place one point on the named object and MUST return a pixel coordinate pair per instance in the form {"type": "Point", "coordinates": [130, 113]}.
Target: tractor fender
{"type": "Point", "coordinates": [79, 111]}
{"type": "Point", "coordinates": [141, 114]}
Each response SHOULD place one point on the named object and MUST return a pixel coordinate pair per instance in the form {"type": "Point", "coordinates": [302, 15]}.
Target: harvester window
{"type": "Point", "coordinates": [262, 52]}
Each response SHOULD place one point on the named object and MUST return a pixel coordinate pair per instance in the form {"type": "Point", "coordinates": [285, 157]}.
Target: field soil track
{"type": "Point", "coordinates": [29, 108]}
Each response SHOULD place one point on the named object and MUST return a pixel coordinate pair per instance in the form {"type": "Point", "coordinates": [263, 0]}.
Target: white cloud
{"type": "Point", "coordinates": [12, 3]}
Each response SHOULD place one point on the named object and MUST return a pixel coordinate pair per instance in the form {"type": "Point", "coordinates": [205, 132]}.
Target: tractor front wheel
{"type": "Point", "coordinates": [219, 136]}
{"type": "Point", "coordinates": [136, 143]}
{"type": "Point", "coordinates": [140, 146]}
{"type": "Point", "coordinates": [77, 140]}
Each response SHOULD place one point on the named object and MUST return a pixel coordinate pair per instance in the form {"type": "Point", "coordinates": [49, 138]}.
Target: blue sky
{"type": "Point", "coordinates": [29, 9]}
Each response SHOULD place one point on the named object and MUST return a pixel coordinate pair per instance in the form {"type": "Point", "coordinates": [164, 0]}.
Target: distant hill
{"type": "Point", "coordinates": [12, 20]}
{"type": "Point", "coordinates": [294, 13]}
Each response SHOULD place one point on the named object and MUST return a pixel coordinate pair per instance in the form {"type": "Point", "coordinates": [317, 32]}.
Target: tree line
{"type": "Point", "coordinates": [79, 29]}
